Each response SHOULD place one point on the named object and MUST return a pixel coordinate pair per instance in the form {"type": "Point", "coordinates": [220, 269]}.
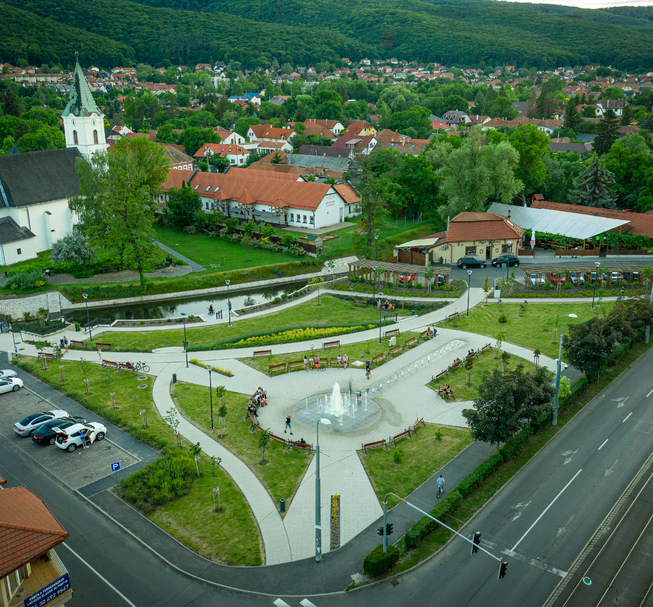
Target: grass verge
{"type": "Point", "coordinates": [282, 472]}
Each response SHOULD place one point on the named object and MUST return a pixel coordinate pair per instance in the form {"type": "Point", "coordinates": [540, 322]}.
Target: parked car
{"type": "Point", "coordinates": [537, 280]}
{"type": "Point", "coordinates": [577, 278]}
{"type": "Point", "coordinates": [557, 278]}
{"type": "Point", "coordinates": [33, 421]}
{"type": "Point", "coordinates": [71, 438]}
{"type": "Point", "coordinates": [511, 260]}
{"type": "Point", "coordinates": [470, 262]}
{"type": "Point", "coordinates": [407, 279]}
{"type": "Point", "coordinates": [4, 373]}
{"type": "Point", "coordinates": [439, 282]}
{"type": "Point", "coordinates": [46, 433]}
{"type": "Point", "coordinates": [10, 384]}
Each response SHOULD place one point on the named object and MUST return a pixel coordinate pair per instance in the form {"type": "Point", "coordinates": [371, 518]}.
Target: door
{"type": "Point", "coordinates": [341, 215]}
{"type": "Point", "coordinates": [488, 252]}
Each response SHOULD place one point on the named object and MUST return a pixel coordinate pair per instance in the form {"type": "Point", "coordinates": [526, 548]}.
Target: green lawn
{"type": "Point", "coordinates": [218, 253]}
{"type": "Point", "coordinates": [531, 328]}
{"type": "Point", "coordinates": [457, 379]}
{"type": "Point", "coordinates": [230, 537]}
{"type": "Point", "coordinates": [420, 457]}
{"type": "Point", "coordinates": [331, 312]}
{"type": "Point", "coordinates": [282, 472]}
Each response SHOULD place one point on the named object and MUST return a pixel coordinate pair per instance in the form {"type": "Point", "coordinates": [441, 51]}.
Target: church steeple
{"type": "Point", "coordinates": [83, 121]}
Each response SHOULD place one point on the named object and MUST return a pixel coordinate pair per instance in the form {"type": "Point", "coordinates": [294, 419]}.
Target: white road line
{"type": "Point", "coordinates": [603, 443]}
{"type": "Point", "coordinates": [649, 394]}
{"type": "Point", "coordinates": [280, 603]}
{"type": "Point", "coordinates": [107, 582]}
{"type": "Point", "coordinates": [627, 416]}
{"type": "Point", "coordinates": [546, 509]}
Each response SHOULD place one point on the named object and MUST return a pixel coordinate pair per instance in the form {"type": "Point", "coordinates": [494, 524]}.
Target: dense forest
{"type": "Point", "coordinates": [258, 33]}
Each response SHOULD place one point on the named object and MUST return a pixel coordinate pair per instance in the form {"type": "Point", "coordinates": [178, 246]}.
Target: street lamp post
{"type": "Point", "coordinates": [469, 284]}
{"type": "Point", "coordinates": [554, 419]}
{"type": "Point", "coordinates": [211, 397]}
{"type": "Point", "coordinates": [376, 246]}
{"type": "Point", "coordinates": [185, 342]}
{"type": "Point", "coordinates": [374, 285]}
{"type": "Point", "coordinates": [88, 318]}
{"type": "Point", "coordinates": [597, 264]}
{"type": "Point", "coordinates": [380, 311]}
{"type": "Point", "coordinates": [227, 282]}
{"type": "Point", "coordinates": [318, 504]}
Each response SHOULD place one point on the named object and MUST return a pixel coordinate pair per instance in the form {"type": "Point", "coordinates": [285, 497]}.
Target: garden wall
{"type": "Point", "coordinates": [17, 306]}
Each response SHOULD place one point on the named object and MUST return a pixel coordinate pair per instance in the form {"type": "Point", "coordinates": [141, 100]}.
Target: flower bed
{"type": "Point", "coordinates": [194, 361]}
{"type": "Point", "coordinates": [295, 335]}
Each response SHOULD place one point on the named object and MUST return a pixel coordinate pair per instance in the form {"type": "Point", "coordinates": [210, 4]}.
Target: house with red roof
{"type": "Point", "coordinates": [236, 155]}
{"type": "Point", "coordinates": [265, 132]}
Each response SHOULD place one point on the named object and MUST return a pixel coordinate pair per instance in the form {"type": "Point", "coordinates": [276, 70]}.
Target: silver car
{"type": "Point", "coordinates": [33, 421]}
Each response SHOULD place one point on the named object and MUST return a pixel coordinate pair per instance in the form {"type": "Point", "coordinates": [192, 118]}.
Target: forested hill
{"type": "Point", "coordinates": [305, 32]}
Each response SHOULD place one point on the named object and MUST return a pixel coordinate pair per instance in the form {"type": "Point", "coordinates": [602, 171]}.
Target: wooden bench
{"type": "Point", "coordinates": [331, 344]}
{"type": "Point", "coordinates": [406, 433]}
{"type": "Point", "coordinates": [262, 353]}
{"type": "Point", "coordinates": [394, 350]}
{"type": "Point", "coordinates": [374, 445]}
{"type": "Point", "coordinates": [81, 344]}
{"type": "Point", "coordinates": [46, 355]}
{"type": "Point", "coordinates": [127, 366]}
{"type": "Point", "coordinates": [360, 302]}
{"type": "Point", "coordinates": [277, 439]}
{"type": "Point", "coordinates": [439, 376]}
{"type": "Point", "coordinates": [377, 359]}
{"type": "Point", "coordinates": [295, 364]}
{"type": "Point", "coordinates": [254, 422]}
{"type": "Point", "coordinates": [112, 269]}
{"type": "Point", "coordinates": [297, 445]}
{"type": "Point", "coordinates": [109, 363]}
{"type": "Point", "coordinates": [410, 343]}
{"type": "Point", "coordinates": [451, 316]}
{"type": "Point", "coordinates": [280, 367]}
{"type": "Point", "coordinates": [391, 332]}
{"type": "Point", "coordinates": [103, 346]}
{"type": "Point", "coordinates": [413, 428]}
{"type": "Point", "coordinates": [485, 347]}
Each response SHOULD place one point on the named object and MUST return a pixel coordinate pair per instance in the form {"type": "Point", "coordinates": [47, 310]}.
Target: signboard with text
{"type": "Point", "coordinates": [49, 592]}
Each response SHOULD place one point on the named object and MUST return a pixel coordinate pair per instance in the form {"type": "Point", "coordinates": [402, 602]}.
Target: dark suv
{"type": "Point", "coordinates": [511, 260]}
{"type": "Point", "coordinates": [470, 262]}
{"type": "Point", "coordinates": [47, 433]}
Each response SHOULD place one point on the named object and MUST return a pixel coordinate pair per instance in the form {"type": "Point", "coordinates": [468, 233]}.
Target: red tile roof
{"type": "Point", "coordinates": [27, 529]}
{"type": "Point", "coordinates": [467, 227]}
{"type": "Point", "coordinates": [221, 149]}
{"type": "Point", "coordinates": [269, 132]}
{"type": "Point", "coordinates": [347, 193]}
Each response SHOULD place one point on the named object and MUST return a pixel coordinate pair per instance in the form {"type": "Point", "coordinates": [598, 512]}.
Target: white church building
{"type": "Point", "coordinates": [35, 186]}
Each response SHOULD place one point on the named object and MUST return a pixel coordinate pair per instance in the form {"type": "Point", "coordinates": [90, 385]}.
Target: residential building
{"type": "Point", "coordinates": [333, 125]}
{"type": "Point", "coordinates": [265, 132]}
{"type": "Point", "coordinates": [325, 150]}
{"type": "Point", "coordinates": [229, 136]}
{"type": "Point", "coordinates": [359, 129]}
{"type": "Point", "coordinates": [236, 155]}
{"type": "Point", "coordinates": [456, 117]}
{"type": "Point", "coordinates": [357, 144]}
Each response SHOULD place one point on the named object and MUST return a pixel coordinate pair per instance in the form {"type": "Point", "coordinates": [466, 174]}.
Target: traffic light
{"type": "Point", "coordinates": [388, 530]}
{"type": "Point", "coordinates": [380, 531]}
{"type": "Point", "coordinates": [502, 569]}
{"type": "Point", "coordinates": [477, 541]}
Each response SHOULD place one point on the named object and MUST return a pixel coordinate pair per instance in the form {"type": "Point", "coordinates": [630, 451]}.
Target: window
{"type": "Point", "coordinates": [506, 248]}
{"type": "Point", "coordinates": [470, 250]}
{"type": "Point", "coordinates": [75, 140]}
{"type": "Point", "coordinates": [19, 251]}
{"type": "Point", "coordinates": [304, 218]}
{"type": "Point", "coordinates": [14, 580]}
{"type": "Point", "coordinates": [207, 206]}
{"type": "Point", "coordinates": [95, 139]}
{"type": "Point", "coordinates": [313, 220]}
{"type": "Point", "coordinates": [292, 217]}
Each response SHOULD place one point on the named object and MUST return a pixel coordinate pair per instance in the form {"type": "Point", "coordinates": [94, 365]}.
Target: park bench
{"type": "Point", "coordinates": [391, 332]}
{"type": "Point", "coordinates": [424, 335]}
{"type": "Point", "coordinates": [374, 445]}
{"type": "Point", "coordinates": [46, 355]}
{"type": "Point", "coordinates": [262, 353]}
{"type": "Point", "coordinates": [439, 376]}
{"type": "Point", "coordinates": [127, 366]}
{"type": "Point", "coordinates": [81, 344]}
{"type": "Point", "coordinates": [111, 269]}
{"type": "Point", "coordinates": [278, 439]}
{"type": "Point", "coordinates": [360, 302]}
{"type": "Point", "coordinates": [404, 434]}
{"type": "Point", "coordinates": [485, 347]}
{"type": "Point", "coordinates": [297, 445]}
{"type": "Point", "coordinates": [451, 316]}
{"type": "Point", "coordinates": [394, 350]}
{"type": "Point", "coordinates": [333, 362]}
{"type": "Point", "coordinates": [103, 346]}
{"type": "Point", "coordinates": [331, 344]}
{"type": "Point", "coordinates": [109, 363]}
{"type": "Point", "coordinates": [280, 367]}
{"type": "Point", "coordinates": [377, 359]}
{"type": "Point", "coordinates": [410, 343]}
{"type": "Point", "coordinates": [254, 422]}
{"type": "Point", "coordinates": [295, 364]}
{"type": "Point", "coordinates": [413, 428]}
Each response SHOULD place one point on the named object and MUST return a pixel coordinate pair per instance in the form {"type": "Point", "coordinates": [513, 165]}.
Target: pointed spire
{"type": "Point", "coordinates": [80, 100]}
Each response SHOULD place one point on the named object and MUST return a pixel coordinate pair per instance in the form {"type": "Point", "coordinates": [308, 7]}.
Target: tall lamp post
{"type": "Point", "coordinates": [380, 312]}
{"type": "Point", "coordinates": [88, 318]}
{"type": "Point", "coordinates": [469, 283]}
{"type": "Point", "coordinates": [374, 285]}
{"type": "Point", "coordinates": [318, 504]}
{"type": "Point", "coordinates": [185, 342]}
{"type": "Point", "coordinates": [211, 397]}
{"type": "Point", "coordinates": [228, 282]}
{"type": "Point", "coordinates": [597, 264]}
{"type": "Point", "coordinates": [554, 419]}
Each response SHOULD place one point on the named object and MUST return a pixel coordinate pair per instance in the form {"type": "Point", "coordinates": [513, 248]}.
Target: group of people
{"type": "Point", "coordinates": [471, 353]}
{"type": "Point", "coordinates": [63, 342]}
{"type": "Point", "coordinates": [259, 399]}
{"type": "Point", "coordinates": [343, 361]}
{"type": "Point", "coordinates": [446, 390]}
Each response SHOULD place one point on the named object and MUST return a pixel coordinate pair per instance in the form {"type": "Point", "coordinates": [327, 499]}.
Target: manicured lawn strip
{"type": "Point", "coordinates": [283, 471]}
{"type": "Point", "coordinates": [420, 457]}
{"type": "Point", "coordinates": [530, 329]}
{"type": "Point", "coordinates": [330, 312]}
{"type": "Point", "coordinates": [187, 518]}
{"type": "Point", "coordinates": [489, 487]}
{"type": "Point", "coordinates": [218, 253]}
{"type": "Point", "coordinates": [364, 350]}
{"type": "Point", "coordinates": [457, 379]}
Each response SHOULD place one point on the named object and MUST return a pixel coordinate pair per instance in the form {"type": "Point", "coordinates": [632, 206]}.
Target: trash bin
{"type": "Point", "coordinates": [412, 312]}
{"type": "Point", "coordinates": [282, 505]}
{"type": "Point", "coordinates": [174, 378]}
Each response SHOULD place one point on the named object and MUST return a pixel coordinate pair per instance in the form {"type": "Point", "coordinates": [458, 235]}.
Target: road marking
{"type": "Point", "coordinates": [561, 530]}
{"type": "Point", "coordinates": [107, 582]}
{"type": "Point", "coordinates": [603, 443]}
{"type": "Point", "coordinates": [521, 505]}
{"type": "Point", "coordinates": [627, 416]}
{"type": "Point", "coordinates": [535, 563]}
{"type": "Point", "coordinates": [568, 455]}
{"type": "Point", "coordinates": [649, 394]}
{"type": "Point", "coordinates": [307, 603]}
{"type": "Point", "coordinates": [609, 471]}
{"type": "Point", "coordinates": [621, 401]}
{"type": "Point", "coordinates": [281, 603]}
{"type": "Point", "coordinates": [546, 509]}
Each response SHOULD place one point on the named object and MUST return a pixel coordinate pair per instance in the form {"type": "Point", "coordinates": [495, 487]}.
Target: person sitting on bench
{"type": "Point", "coordinates": [302, 442]}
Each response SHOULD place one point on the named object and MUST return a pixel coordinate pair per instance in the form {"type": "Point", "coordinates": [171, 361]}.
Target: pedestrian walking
{"type": "Point", "coordinates": [288, 426]}
{"type": "Point", "coordinates": [65, 343]}
{"type": "Point", "coordinates": [99, 352]}
{"type": "Point", "coordinates": [305, 364]}
{"type": "Point", "coordinates": [345, 361]}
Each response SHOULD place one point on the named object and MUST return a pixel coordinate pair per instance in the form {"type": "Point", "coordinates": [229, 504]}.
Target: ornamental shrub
{"type": "Point", "coordinates": [378, 562]}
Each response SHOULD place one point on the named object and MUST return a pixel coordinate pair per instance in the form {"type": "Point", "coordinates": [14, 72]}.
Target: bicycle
{"type": "Point", "coordinates": [440, 486]}
{"type": "Point", "coordinates": [139, 366]}
{"type": "Point", "coordinates": [440, 491]}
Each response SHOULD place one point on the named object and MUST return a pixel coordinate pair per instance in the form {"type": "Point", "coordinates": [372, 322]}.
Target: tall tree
{"type": "Point", "coordinates": [572, 117]}
{"type": "Point", "coordinates": [627, 116]}
{"type": "Point", "coordinates": [532, 145]}
{"type": "Point", "coordinates": [592, 186]}
{"type": "Point", "coordinates": [607, 133]}
{"type": "Point", "coordinates": [116, 205]}
{"type": "Point", "coordinates": [182, 206]}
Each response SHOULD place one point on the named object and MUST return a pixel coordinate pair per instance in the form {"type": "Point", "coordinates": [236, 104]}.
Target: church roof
{"type": "Point", "coordinates": [80, 101]}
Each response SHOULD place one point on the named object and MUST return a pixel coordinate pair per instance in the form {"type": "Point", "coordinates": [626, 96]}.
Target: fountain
{"type": "Point", "coordinates": [337, 405]}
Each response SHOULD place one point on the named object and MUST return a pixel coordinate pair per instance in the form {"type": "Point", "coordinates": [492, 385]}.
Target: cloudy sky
{"type": "Point", "coordinates": [591, 3]}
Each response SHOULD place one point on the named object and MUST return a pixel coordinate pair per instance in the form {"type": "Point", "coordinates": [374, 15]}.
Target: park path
{"type": "Point", "coordinates": [193, 264]}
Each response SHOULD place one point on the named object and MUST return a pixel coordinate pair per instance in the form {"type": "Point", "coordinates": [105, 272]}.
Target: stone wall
{"type": "Point", "coordinates": [16, 307]}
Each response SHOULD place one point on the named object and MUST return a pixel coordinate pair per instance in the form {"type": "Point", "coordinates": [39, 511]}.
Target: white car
{"type": "Point", "coordinates": [33, 421]}
{"type": "Point", "coordinates": [71, 437]}
{"type": "Point", "coordinates": [4, 373]}
{"type": "Point", "coordinates": [10, 384]}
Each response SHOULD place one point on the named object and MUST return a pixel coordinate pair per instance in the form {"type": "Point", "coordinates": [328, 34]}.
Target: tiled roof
{"type": "Point", "coordinates": [348, 193]}
{"type": "Point", "coordinates": [265, 130]}
{"type": "Point", "coordinates": [467, 227]}
{"type": "Point", "coordinates": [10, 231]}
{"type": "Point", "coordinates": [324, 150]}
{"type": "Point", "coordinates": [221, 149]}
{"type": "Point", "coordinates": [320, 131]}
{"type": "Point", "coordinates": [27, 529]}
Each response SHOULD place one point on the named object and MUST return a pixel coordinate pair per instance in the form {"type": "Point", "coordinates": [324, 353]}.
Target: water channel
{"type": "Point", "coordinates": [188, 305]}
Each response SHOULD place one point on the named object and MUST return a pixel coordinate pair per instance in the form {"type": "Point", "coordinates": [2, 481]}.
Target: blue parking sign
{"type": "Point", "coordinates": [115, 467]}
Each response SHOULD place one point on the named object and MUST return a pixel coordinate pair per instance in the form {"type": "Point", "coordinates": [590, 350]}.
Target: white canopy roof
{"type": "Point", "coordinates": [420, 242]}
{"type": "Point", "coordinates": [571, 225]}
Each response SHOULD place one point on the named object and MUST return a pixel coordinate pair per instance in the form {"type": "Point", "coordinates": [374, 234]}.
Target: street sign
{"type": "Point", "coordinates": [317, 526]}
{"type": "Point", "coordinates": [49, 592]}
{"type": "Point", "coordinates": [587, 581]}
{"type": "Point", "coordinates": [115, 467]}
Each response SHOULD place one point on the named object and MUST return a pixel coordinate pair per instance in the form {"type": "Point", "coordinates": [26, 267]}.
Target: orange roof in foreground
{"type": "Point", "coordinates": [348, 193]}
{"type": "Point", "coordinates": [27, 529]}
{"type": "Point", "coordinates": [466, 227]}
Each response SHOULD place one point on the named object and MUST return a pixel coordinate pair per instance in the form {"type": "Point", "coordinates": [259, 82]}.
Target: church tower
{"type": "Point", "coordinates": [83, 122]}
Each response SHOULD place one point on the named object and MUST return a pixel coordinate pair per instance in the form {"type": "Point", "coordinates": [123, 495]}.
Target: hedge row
{"type": "Point", "coordinates": [377, 562]}
{"type": "Point", "coordinates": [426, 525]}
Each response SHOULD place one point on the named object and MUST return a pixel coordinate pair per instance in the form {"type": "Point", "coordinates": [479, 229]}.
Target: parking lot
{"type": "Point", "coordinates": [76, 469]}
